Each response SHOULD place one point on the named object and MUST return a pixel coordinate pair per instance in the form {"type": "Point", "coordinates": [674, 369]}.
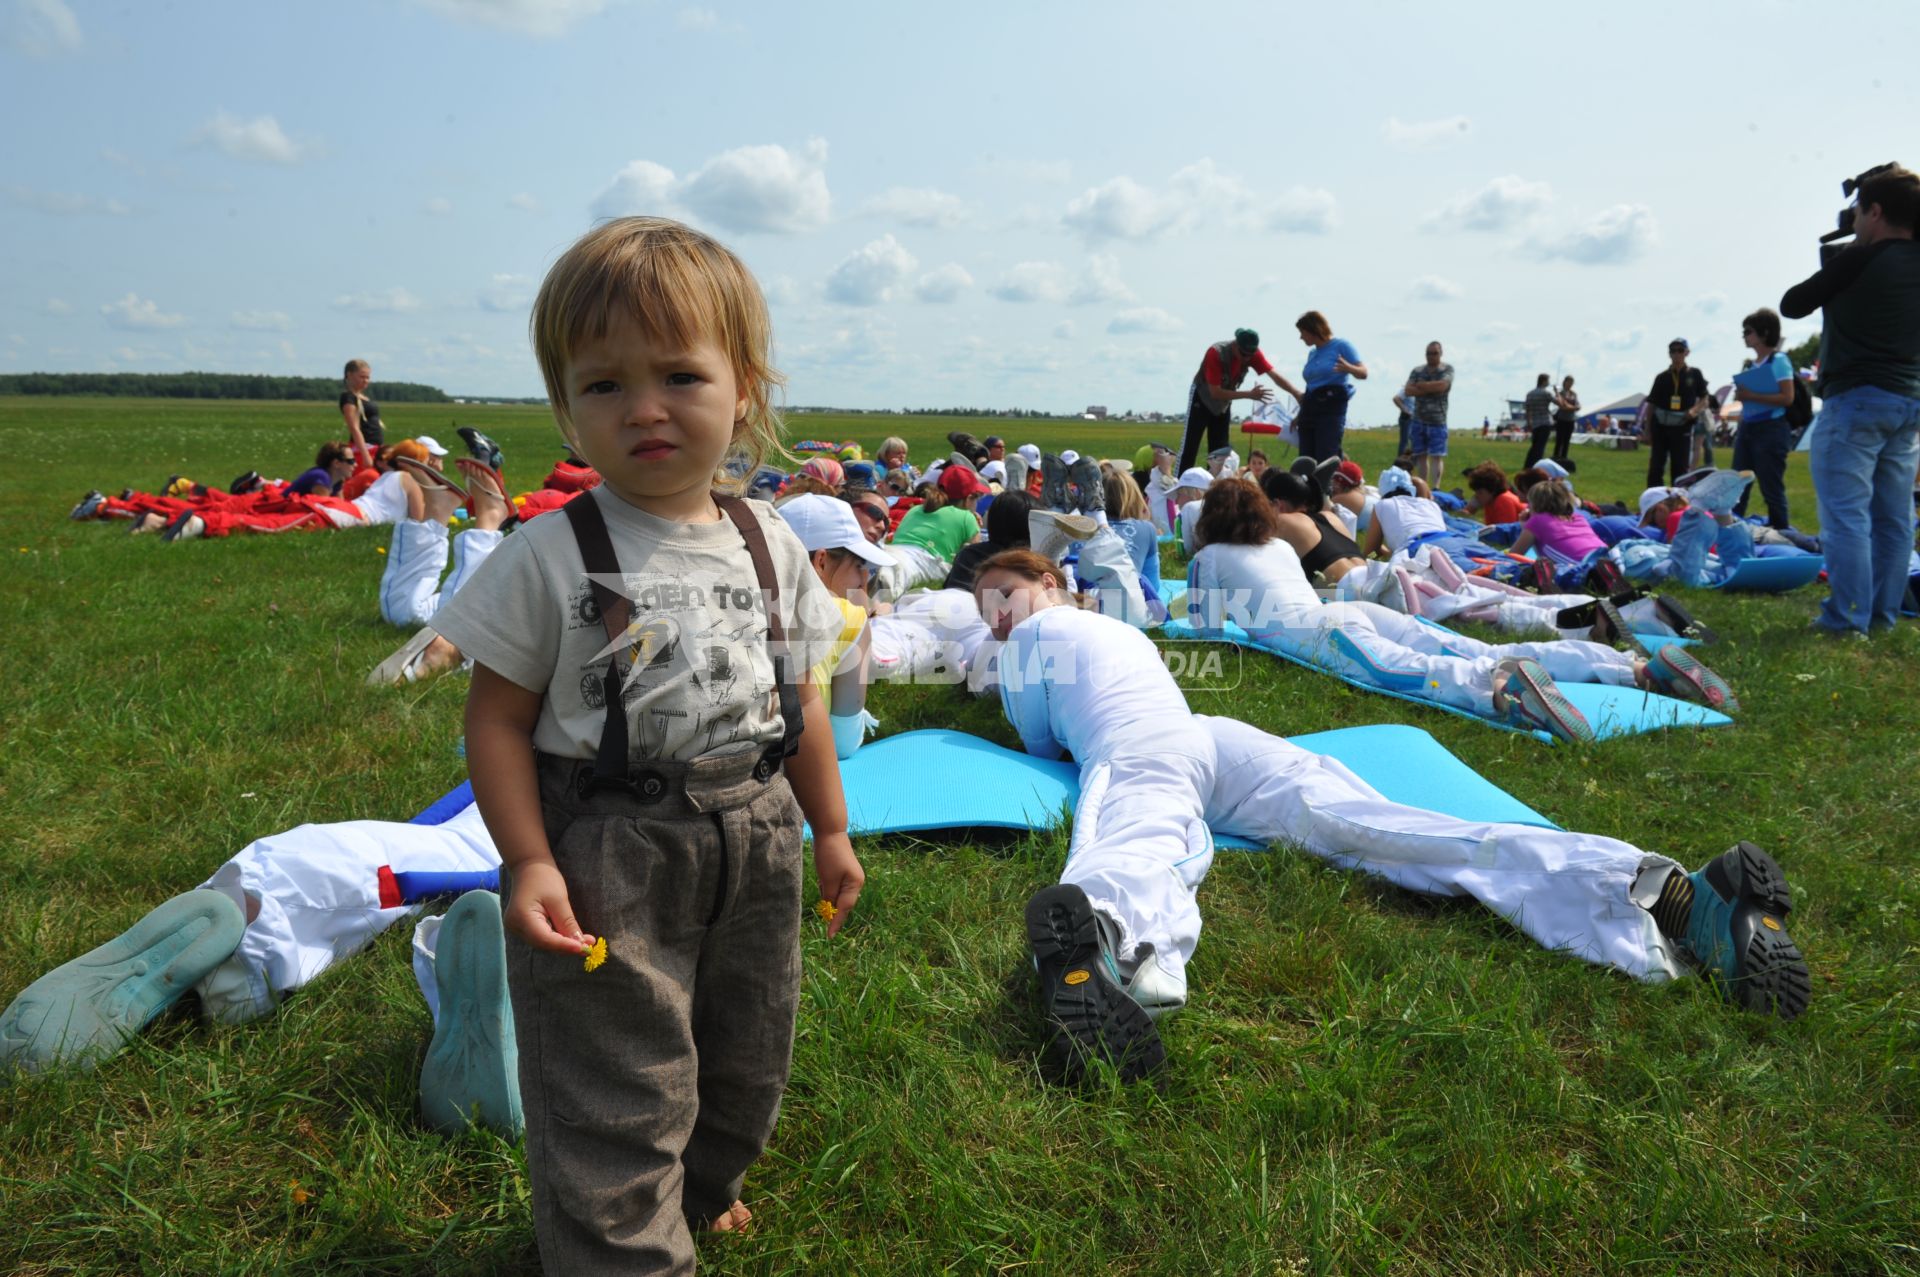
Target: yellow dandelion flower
{"type": "Point", "coordinates": [379, 549]}
{"type": "Point", "coordinates": [597, 954]}
{"type": "Point", "coordinates": [826, 911]}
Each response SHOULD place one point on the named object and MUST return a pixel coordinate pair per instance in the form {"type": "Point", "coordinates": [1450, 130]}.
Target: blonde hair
{"type": "Point", "coordinates": [679, 286]}
{"type": "Point", "coordinates": [890, 444]}
{"type": "Point", "coordinates": [354, 366]}
{"type": "Point", "coordinates": [1552, 497]}
{"type": "Point", "coordinates": [1124, 498]}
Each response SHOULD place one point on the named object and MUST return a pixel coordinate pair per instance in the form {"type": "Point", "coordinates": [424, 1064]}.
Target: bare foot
{"type": "Point", "coordinates": [490, 506]}
{"type": "Point", "coordinates": [438, 657]}
{"type": "Point", "coordinates": [736, 1219]}
{"type": "Point", "coordinates": [438, 503]}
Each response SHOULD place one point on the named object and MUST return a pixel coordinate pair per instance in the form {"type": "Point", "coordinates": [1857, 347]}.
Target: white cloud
{"type": "Point", "coordinates": [1032, 282]}
{"type": "Point", "coordinates": [62, 203]}
{"type": "Point", "coordinates": [1711, 304]}
{"type": "Point", "coordinates": [41, 29]}
{"type": "Point", "coordinates": [134, 311]}
{"type": "Point", "coordinates": [1144, 319]}
{"type": "Point", "coordinates": [55, 306]}
{"type": "Point", "coordinates": [919, 206]}
{"type": "Point", "coordinates": [1618, 339]}
{"type": "Point", "coordinates": [1121, 208]}
{"type": "Point", "coordinates": [507, 294]}
{"type": "Point", "coordinates": [439, 206]}
{"type": "Point", "coordinates": [856, 342]}
{"type": "Point", "coordinates": [1303, 211]}
{"type": "Point", "coordinates": [1500, 205]}
{"type": "Point", "coordinates": [260, 139]}
{"type": "Point", "coordinates": [697, 19]}
{"type": "Point", "coordinates": [1101, 284]}
{"type": "Point", "coordinates": [529, 17]}
{"type": "Point", "coordinates": [943, 283]}
{"type": "Point", "coordinates": [1425, 132]}
{"type": "Point", "coordinates": [869, 275]}
{"type": "Point", "coordinates": [1064, 330]}
{"type": "Point", "coordinates": [750, 188]}
{"type": "Point", "coordinates": [393, 301]}
{"type": "Point", "coordinates": [1524, 358]}
{"type": "Point", "coordinates": [1433, 288]}
{"type": "Point", "coordinates": [525, 202]}
{"type": "Point", "coordinates": [1613, 236]}
{"type": "Point", "coordinates": [261, 321]}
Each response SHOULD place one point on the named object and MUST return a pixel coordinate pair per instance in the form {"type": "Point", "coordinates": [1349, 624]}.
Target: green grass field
{"type": "Point", "coordinates": [1367, 1081]}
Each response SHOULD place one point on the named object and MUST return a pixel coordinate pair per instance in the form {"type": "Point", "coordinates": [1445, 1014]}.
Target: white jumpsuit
{"type": "Point", "coordinates": [1264, 590]}
{"type": "Point", "coordinates": [410, 587]}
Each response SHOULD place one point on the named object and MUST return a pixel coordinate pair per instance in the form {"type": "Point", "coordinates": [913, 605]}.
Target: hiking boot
{"type": "Point", "coordinates": [86, 1010]}
{"type": "Point", "coordinates": [1718, 492]}
{"type": "Point", "coordinates": [481, 448]}
{"type": "Point", "coordinates": [1544, 578]}
{"type": "Point", "coordinates": [1680, 673]}
{"type": "Point", "coordinates": [1528, 696]}
{"type": "Point", "coordinates": [1606, 577]}
{"type": "Point", "coordinates": [1736, 932]}
{"type": "Point", "coordinates": [1089, 1013]}
{"type": "Point", "coordinates": [471, 1073]}
{"type": "Point", "coordinates": [1084, 474]}
{"type": "Point", "coordinates": [246, 483]}
{"type": "Point", "coordinates": [969, 447]}
{"type": "Point", "coordinates": [1610, 627]}
{"type": "Point", "coordinates": [1675, 616]}
{"type": "Point", "coordinates": [89, 505]}
{"type": "Point", "coordinates": [1053, 482]}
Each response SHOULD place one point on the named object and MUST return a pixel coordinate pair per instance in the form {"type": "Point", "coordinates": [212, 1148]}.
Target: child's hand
{"type": "Point", "coordinates": [840, 875]}
{"type": "Point", "coordinates": [538, 911]}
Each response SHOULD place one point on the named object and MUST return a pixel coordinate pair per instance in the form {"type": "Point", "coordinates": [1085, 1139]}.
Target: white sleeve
{"type": "Point", "coordinates": [1024, 700]}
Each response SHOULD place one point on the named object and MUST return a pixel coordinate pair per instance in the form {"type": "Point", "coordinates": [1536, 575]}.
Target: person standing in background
{"type": "Point", "coordinates": [361, 414]}
{"type": "Point", "coordinates": [1563, 421]}
{"type": "Point", "coordinates": [1676, 400]}
{"type": "Point", "coordinates": [1540, 403]}
{"type": "Point", "coordinates": [1216, 385]}
{"type": "Point", "coordinates": [1864, 451]}
{"type": "Point", "coordinates": [1331, 369]}
{"type": "Point", "coordinates": [1765, 438]}
{"type": "Point", "coordinates": [1428, 388]}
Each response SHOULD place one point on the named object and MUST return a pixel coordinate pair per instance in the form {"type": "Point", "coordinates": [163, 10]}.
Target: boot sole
{"type": "Point", "coordinates": [1090, 1016]}
{"type": "Point", "coordinates": [1686, 673]}
{"type": "Point", "coordinates": [471, 1073]}
{"type": "Point", "coordinates": [1545, 705]}
{"type": "Point", "coordinates": [1681, 621]}
{"type": "Point", "coordinates": [1771, 976]}
{"type": "Point", "coordinates": [85, 1010]}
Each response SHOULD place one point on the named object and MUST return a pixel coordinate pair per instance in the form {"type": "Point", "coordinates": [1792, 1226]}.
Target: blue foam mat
{"type": "Point", "coordinates": [1774, 574]}
{"type": "Point", "coordinates": [999, 788]}
{"type": "Point", "coordinates": [1611, 711]}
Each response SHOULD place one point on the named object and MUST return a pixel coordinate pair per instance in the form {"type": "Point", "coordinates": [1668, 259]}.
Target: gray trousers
{"type": "Point", "coordinates": [652, 1083]}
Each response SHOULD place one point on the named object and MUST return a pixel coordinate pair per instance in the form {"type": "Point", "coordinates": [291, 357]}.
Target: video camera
{"type": "Point", "coordinates": [1830, 242]}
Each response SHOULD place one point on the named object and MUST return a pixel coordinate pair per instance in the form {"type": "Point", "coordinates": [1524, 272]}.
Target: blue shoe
{"type": "Point", "coordinates": [471, 1075]}
{"type": "Point", "coordinates": [86, 1010]}
{"type": "Point", "coordinates": [1090, 1015]}
{"type": "Point", "coordinates": [1053, 483]}
{"type": "Point", "coordinates": [1719, 491]}
{"type": "Point", "coordinates": [1736, 931]}
{"type": "Point", "coordinates": [1530, 698]}
{"type": "Point", "coordinates": [89, 505]}
{"type": "Point", "coordinates": [1680, 673]}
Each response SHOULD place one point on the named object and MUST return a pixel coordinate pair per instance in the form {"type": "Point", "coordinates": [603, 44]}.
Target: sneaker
{"type": "Point", "coordinates": [1718, 492]}
{"type": "Point", "coordinates": [1544, 577]}
{"type": "Point", "coordinates": [246, 483]}
{"type": "Point", "coordinates": [1675, 616]}
{"type": "Point", "coordinates": [186, 526]}
{"type": "Point", "coordinates": [471, 1073]}
{"type": "Point", "coordinates": [1610, 627]}
{"type": "Point", "coordinates": [1084, 474]}
{"type": "Point", "coordinates": [1089, 1013]}
{"type": "Point", "coordinates": [1053, 482]}
{"type": "Point", "coordinates": [1736, 931]}
{"type": "Point", "coordinates": [481, 448]}
{"type": "Point", "coordinates": [1049, 532]}
{"type": "Point", "coordinates": [1606, 577]}
{"type": "Point", "coordinates": [86, 1010]}
{"type": "Point", "coordinates": [89, 505]}
{"type": "Point", "coordinates": [1528, 697]}
{"type": "Point", "coordinates": [1680, 673]}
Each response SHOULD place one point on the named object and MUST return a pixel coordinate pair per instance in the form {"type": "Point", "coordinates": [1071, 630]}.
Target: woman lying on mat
{"type": "Point", "coordinates": [1246, 573]}
{"type": "Point", "coordinates": [1111, 942]}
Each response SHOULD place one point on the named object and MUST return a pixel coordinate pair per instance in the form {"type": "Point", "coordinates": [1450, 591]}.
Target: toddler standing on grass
{"type": "Point", "coordinates": [643, 743]}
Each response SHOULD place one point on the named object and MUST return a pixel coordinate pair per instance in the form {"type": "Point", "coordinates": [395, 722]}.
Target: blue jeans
{"type": "Point", "coordinates": [1762, 447]}
{"type": "Point", "coordinates": [1700, 532]}
{"type": "Point", "coordinates": [1863, 455]}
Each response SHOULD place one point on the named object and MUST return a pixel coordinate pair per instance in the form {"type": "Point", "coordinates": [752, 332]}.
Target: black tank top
{"type": "Point", "coordinates": [1334, 545]}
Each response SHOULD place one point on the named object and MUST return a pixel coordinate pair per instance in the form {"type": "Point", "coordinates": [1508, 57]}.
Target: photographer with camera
{"type": "Point", "coordinates": [1866, 443]}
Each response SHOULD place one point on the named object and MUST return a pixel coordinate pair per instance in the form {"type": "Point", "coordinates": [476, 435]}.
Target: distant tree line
{"type": "Point", "coordinates": [208, 385]}
{"type": "Point", "coordinates": [1803, 355]}
{"type": "Point", "coordinates": [922, 412]}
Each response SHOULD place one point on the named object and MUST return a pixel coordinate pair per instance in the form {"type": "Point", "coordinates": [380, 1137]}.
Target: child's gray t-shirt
{"type": "Point", "coordinates": [700, 677]}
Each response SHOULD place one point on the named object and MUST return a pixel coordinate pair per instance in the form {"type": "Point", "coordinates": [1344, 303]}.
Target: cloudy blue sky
{"type": "Point", "coordinates": [987, 204]}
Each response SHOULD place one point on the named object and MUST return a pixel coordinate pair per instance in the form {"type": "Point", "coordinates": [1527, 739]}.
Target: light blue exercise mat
{"type": "Point", "coordinates": [1774, 574]}
{"type": "Point", "coordinates": [941, 779]}
{"type": "Point", "coordinates": [1611, 711]}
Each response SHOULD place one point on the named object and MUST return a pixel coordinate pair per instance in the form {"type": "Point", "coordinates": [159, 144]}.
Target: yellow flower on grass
{"type": "Point", "coordinates": [597, 954]}
{"type": "Point", "coordinates": [826, 911]}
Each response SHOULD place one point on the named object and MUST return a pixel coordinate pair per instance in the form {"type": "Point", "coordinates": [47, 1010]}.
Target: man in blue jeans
{"type": "Point", "coordinates": [1866, 443]}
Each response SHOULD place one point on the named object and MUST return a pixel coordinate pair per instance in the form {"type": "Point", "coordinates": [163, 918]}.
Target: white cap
{"type": "Point", "coordinates": [1032, 453]}
{"type": "Point", "coordinates": [994, 472]}
{"type": "Point", "coordinates": [431, 444]}
{"type": "Point", "coordinates": [828, 523]}
{"type": "Point", "coordinates": [1551, 468]}
{"type": "Point", "coordinates": [1654, 496]}
{"type": "Point", "coordinates": [1393, 479]}
{"type": "Point", "coordinates": [1194, 478]}
{"type": "Point", "coordinates": [1069, 457]}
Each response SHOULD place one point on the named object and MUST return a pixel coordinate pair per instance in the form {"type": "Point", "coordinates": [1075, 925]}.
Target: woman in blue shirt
{"type": "Point", "coordinates": [1332, 366]}
{"type": "Point", "coordinates": [1765, 438]}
